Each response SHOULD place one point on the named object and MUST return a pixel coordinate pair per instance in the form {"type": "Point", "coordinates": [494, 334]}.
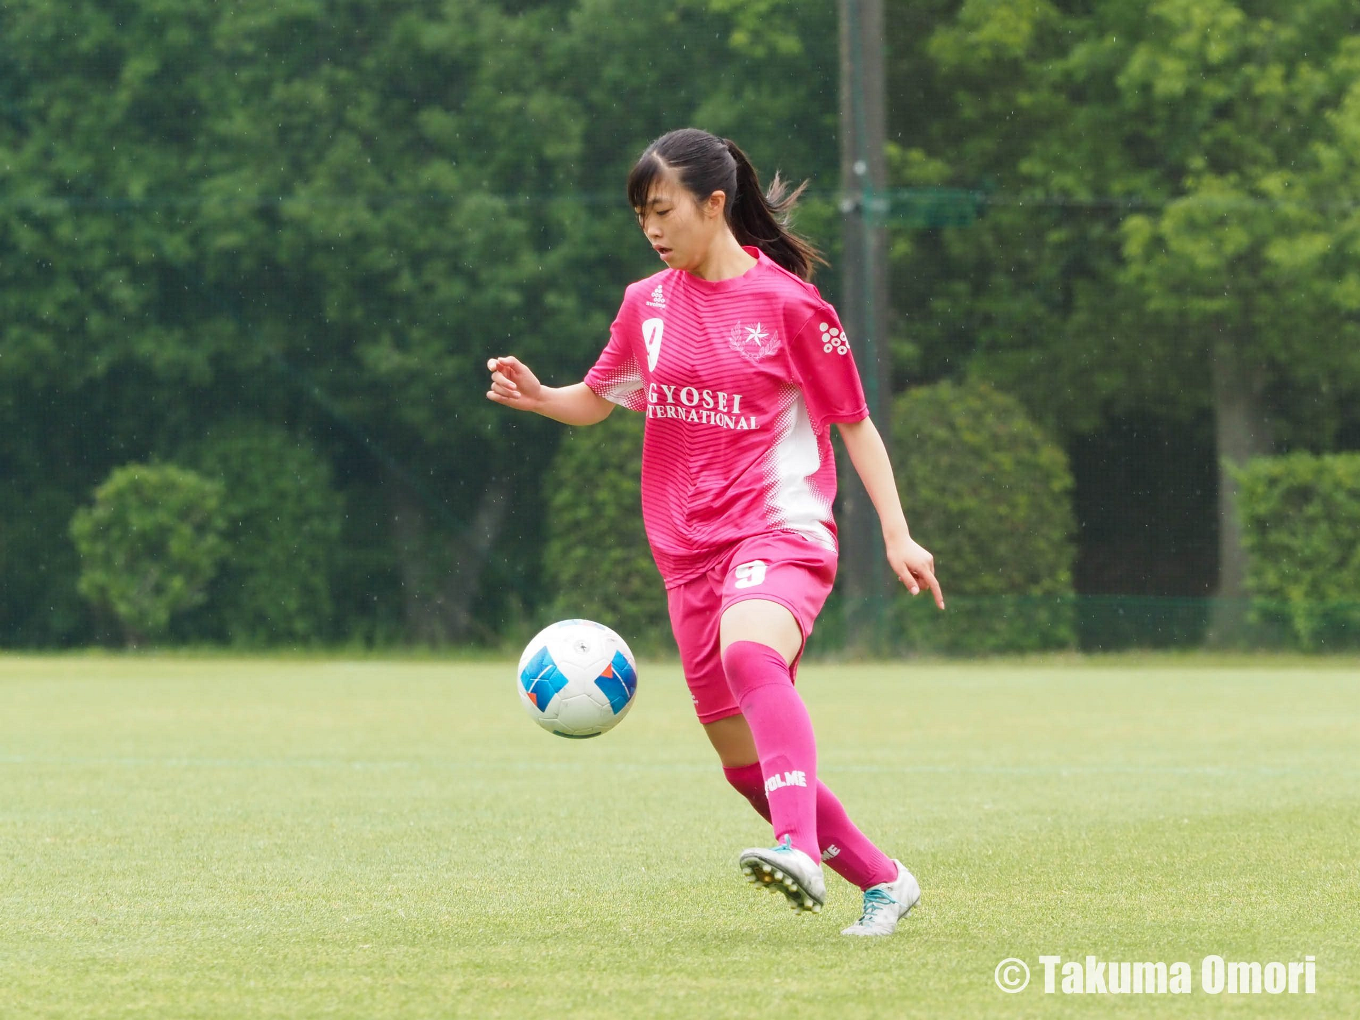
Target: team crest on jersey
{"type": "Point", "coordinates": [754, 342]}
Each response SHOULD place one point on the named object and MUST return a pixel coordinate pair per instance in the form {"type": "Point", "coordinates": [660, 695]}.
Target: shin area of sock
{"type": "Point", "coordinates": [782, 731]}
{"type": "Point", "coordinates": [845, 849]}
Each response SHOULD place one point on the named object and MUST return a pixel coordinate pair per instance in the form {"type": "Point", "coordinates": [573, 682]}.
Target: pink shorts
{"type": "Point", "coordinates": [781, 567]}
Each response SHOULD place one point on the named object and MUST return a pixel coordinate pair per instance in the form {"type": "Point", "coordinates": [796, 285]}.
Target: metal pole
{"type": "Point", "coordinates": [864, 309]}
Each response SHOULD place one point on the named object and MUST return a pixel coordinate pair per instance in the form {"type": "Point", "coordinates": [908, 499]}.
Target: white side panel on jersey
{"type": "Point", "coordinates": [791, 500]}
{"type": "Point", "coordinates": [624, 386]}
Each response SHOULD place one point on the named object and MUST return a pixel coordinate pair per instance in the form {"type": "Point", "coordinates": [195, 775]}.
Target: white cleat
{"type": "Point", "coordinates": [886, 904]}
{"type": "Point", "coordinates": [786, 870]}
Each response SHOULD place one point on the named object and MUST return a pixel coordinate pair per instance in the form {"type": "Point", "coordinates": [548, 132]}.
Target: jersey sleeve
{"type": "Point", "coordinates": [824, 369]}
{"type": "Point", "coordinates": [616, 375]}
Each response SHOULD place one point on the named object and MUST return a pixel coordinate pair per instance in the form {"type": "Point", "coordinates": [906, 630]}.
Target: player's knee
{"type": "Point", "coordinates": [750, 664]}
{"type": "Point", "coordinates": [763, 622]}
{"type": "Point", "coordinates": [731, 738]}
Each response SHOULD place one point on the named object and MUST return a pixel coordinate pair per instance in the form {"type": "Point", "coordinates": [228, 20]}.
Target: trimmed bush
{"type": "Point", "coordinates": [149, 545]}
{"type": "Point", "coordinates": [1301, 518]}
{"type": "Point", "coordinates": [990, 495]}
{"type": "Point", "coordinates": [596, 557]}
{"type": "Point", "coordinates": [283, 525]}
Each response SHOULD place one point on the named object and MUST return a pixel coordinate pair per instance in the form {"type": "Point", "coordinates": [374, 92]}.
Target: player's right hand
{"type": "Point", "coordinates": [513, 384]}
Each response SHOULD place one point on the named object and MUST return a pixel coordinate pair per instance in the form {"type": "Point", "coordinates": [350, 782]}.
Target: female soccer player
{"type": "Point", "coordinates": [741, 368]}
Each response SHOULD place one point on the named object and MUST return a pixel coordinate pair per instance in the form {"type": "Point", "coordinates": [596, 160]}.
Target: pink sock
{"type": "Point", "coordinates": [760, 681]}
{"type": "Point", "coordinates": [844, 849]}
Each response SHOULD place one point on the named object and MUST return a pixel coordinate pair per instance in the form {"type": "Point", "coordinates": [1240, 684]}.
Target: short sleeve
{"type": "Point", "coordinates": [824, 369]}
{"type": "Point", "coordinates": [616, 375]}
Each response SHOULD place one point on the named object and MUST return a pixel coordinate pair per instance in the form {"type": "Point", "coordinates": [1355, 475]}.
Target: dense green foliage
{"type": "Point", "coordinates": [1157, 178]}
{"type": "Point", "coordinates": [990, 494]}
{"type": "Point", "coordinates": [324, 217]}
{"type": "Point", "coordinates": [283, 523]}
{"type": "Point", "coordinates": [596, 561]}
{"type": "Point", "coordinates": [1166, 228]}
{"type": "Point", "coordinates": [1302, 519]}
{"type": "Point", "coordinates": [149, 545]}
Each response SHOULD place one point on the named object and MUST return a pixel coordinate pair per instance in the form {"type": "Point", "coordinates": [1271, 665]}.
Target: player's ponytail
{"type": "Point", "coordinates": [704, 163]}
{"type": "Point", "coordinates": [761, 218]}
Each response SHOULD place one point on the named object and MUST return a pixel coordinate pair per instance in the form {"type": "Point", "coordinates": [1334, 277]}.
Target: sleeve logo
{"type": "Point", "coordinates": [833, 339]}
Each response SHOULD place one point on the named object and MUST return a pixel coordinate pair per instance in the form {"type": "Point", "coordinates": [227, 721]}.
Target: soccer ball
{"type": "Point", "coordinates": [577, 679]}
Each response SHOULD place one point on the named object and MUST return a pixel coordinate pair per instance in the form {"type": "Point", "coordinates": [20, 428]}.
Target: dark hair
{"type": "Point", "coordinates": [704, 163]}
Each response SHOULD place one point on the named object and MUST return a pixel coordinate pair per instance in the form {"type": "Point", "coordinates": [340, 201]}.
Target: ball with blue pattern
{"type": "Point", "coordinates": [577, 679]}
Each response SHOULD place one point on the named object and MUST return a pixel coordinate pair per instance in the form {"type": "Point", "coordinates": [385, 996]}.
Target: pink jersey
{"type": "Point", "coordinates": [740, 380]}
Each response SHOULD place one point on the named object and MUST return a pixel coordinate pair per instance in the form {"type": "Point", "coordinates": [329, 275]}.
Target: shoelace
{"type": "Point", "coordinates": [874, 901]}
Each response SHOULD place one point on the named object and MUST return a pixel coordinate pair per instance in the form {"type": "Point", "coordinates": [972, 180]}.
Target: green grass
{"type": "Point", "coordinates": [196, 837]}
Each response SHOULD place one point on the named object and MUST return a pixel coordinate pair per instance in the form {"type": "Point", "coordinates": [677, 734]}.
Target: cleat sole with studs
{"type": "Point", "coordinates": [766, 876]}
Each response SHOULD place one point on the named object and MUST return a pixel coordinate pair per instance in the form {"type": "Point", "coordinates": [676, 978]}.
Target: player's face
{"type": "Point", "coordinates": [677, 227]}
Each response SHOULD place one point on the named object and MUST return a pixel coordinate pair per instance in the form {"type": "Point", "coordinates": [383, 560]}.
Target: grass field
{"type": "Point", "coordinates": [232, 838]}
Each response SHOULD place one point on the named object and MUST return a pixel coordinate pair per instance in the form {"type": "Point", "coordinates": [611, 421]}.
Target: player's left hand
{"type": "Point", "coordinates": [913, 565]}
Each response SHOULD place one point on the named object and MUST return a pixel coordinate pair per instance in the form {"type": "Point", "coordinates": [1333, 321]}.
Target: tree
{"type": "Point", "coordinates": [1245, 263]}
{"type": "Point", "coordinates": [326, 217]}
{"type": "Point", "coordinates": [1167, 227]}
